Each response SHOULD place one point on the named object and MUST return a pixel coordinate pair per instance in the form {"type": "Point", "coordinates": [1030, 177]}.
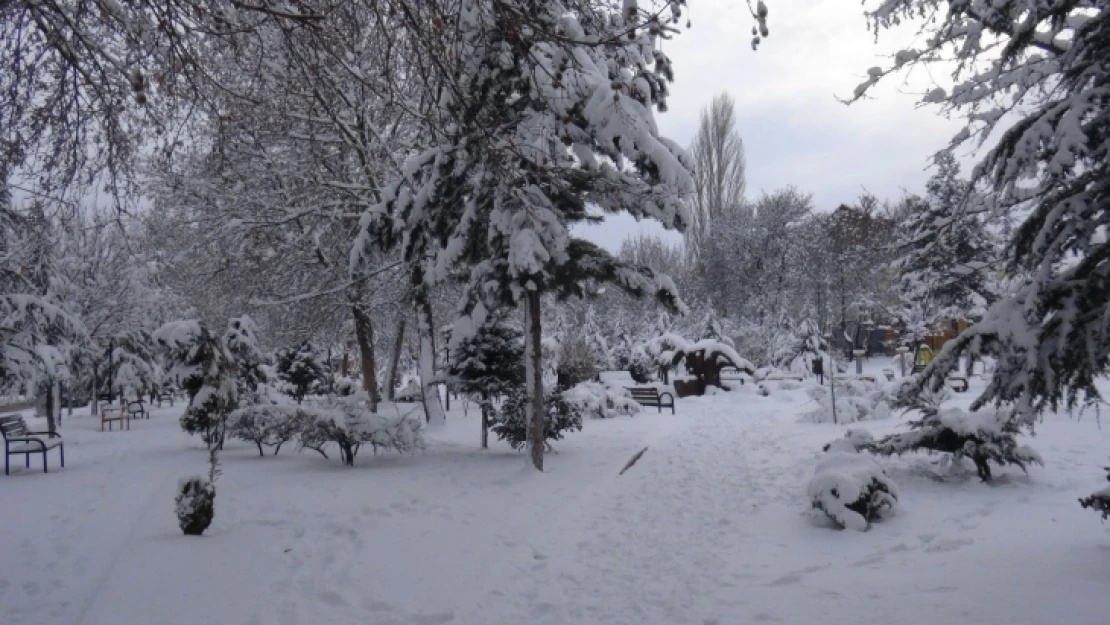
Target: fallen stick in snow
{"type": "Point", "coordinates": [632, 461]}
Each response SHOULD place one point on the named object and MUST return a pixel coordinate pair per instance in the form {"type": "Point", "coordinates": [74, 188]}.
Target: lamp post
{"type": "Point", "coordinates": [111, 381]}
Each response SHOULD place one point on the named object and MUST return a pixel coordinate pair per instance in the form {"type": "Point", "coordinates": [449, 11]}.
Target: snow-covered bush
{"type": "Point", "coordinates": [578, 361]}
{"type": "Point", "coordinates": [989, 435]}
{"type": "Point", "coordinates": [345, 386]}
{"type": "Point", "coordinates": [852, 490]}
{"type": "Point", "coordinates": [195, 504]}
{"type": "Point", "coordinates": [510, 422]}
{"type": "Point", "coordinates": [856, 400]}
{"type": "Point", "coordinates": [302, 370]}
{"type": "Point", "coordinates": [1099, 501]}
{"type": "Point", "coordinates": [267, 425]}
{"type": "Point", "coordinates": [854, 440]}
{"type": "Point", "coordinates": [601, 400]}
{"type": "Point", "coordinates": [348, 423]}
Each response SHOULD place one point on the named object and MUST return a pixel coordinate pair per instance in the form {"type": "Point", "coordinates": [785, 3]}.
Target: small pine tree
{"type": "Point", "coordinates": [712, 328]}
{"type": "Point", "coordinates": [207, 372]}
{"type": "Point", "coordinates": [511, 421]}
{"type": "Point", "coordinates": [241, 340]}
{"type": "Point", "coordinates": [302, 370]}
{"type": "Point", "coordinates": [487, 366]}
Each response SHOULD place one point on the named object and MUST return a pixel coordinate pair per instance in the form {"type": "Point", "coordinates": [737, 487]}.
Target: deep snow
{"type": "Point", "coordinates": [712, 525]}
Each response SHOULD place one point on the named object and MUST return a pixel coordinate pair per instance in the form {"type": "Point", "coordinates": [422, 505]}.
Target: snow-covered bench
{"type": "Point", "coordinates": [137, 410]}
{"type": "Point", "coordinates": [650, 396]}
{"type": "Point", "coordinates": [958, 383]}
{"type": "Point", "coordinates": [108, 414]}
{"type": "Point", "coordinates": [18, 440]}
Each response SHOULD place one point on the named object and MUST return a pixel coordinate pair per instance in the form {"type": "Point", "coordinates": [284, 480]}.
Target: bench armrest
{"type": "Point", "coordinates": [24, 440]}
{"type": "Point", "coordinates": [667, 393]}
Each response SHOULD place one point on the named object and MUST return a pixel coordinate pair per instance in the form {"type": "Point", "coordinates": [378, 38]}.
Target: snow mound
{"type": "Point", "coordinates": [852, 490]}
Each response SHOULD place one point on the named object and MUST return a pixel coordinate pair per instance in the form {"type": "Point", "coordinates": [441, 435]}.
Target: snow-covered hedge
{"type": "Point", "coordinates": [267, 425]}
{"type": "Point", "coordinates": [348, 423]}
{"type": "Point", "coordinates": [985, 436]}
{"type": "Point", "coordinates": [856, 400]}
{"type": "Point", "coordinates": [601, 400]}
{"type": "Point", "coordinates": [852, 490]}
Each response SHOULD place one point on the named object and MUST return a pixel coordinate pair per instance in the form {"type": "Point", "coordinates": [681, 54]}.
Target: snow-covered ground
{"type": "Point", "coordinates": [710, 526]}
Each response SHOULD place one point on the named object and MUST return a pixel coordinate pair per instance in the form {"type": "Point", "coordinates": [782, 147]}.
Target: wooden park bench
{"type": "Point", "coordinates": [17, 440]}
{"type": "Point", "coordinates": [783, 377]}
{"type": "Point", "coordinates": [732, 374]}
{"type": "Point", "coordinates": [958, 383]}
{"type": "Point", "coordinates": [137, 410]}
{"type": "Point", "coordinates": [165, 396]}
{"type": "Point", "coordinates": [650, 396]}
{"type": "Point", "coordinates": [108, 414]}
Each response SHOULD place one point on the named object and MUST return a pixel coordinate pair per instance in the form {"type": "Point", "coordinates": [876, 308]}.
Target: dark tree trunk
{"type": "Point", "coordinates": [364, 334]}
{"type": "Point", "coordinates": [534, 369]}
{"type": "Point", "coordinates": [485, 425]}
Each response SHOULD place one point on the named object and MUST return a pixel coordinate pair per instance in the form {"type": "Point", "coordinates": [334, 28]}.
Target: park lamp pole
{"type": "Point", "coordinates": [832, 378]}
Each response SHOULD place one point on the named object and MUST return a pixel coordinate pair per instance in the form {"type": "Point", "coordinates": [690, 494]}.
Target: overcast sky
{"type": "Point", "coordinates": [794, 130]}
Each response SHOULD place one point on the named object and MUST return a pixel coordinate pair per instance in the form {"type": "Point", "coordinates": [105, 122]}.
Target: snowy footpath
{"type": "Point", "coordinates": [711, 526]}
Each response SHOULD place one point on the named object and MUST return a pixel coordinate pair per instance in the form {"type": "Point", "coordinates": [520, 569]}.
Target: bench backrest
{"type": "Point", "coordinates": [642, 393]}
{"type": "Point", "coordinates": [12, 426]}
{"type": "Point", "coordinates": [134, 407]}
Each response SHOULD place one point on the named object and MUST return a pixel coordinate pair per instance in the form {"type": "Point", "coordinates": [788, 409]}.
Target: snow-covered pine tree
{"type": "Point", "coordinates": [713, 329]}
{"type": "Point", "coordinates": [542, 108]}
{"type": "Point", "coordinates": [302, 370]}
{"type": "Point", "coordinates": [1046, 64]}
{"type": "Point", "coordinates": [241, 340]}
{"type": "Point", "coordinates": [986, 436]}
{"type": "Point", "coordinates": [487, 366]}
{"type": "Point", "coordinates": [206, 369]}
{"type": "Point", "coordinates": [946, 253]}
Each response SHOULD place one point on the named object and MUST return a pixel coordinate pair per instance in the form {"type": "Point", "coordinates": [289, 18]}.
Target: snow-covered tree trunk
{"type": "Point", "coordinates": [364, 334]}
{"type": "Point", "coordinates": [395, 357]}
{"type": "Point", "coordinates": [425, 331]}
{"type": "Point", "coordinates": [534, 376]}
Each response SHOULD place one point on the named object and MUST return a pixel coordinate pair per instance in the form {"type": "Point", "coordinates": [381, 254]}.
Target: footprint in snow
{"type": "Point", "coordinates": [947, 546]}
{"type": "Point", "coordinates": [794, 577]}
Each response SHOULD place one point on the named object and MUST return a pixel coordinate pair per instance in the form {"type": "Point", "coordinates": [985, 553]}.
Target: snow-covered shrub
{"type": "Point", "coordinates": [854, 440]}
{"type": "Point", "coordinates": [346, 386]}
{"type": "Point", "coordinates": [1099, 501]}
{"type": "Point", "coordinates": [348, 423]}
{"type": "Point", "coordinates": [195, 504]}
{"type": "Point", "coordinates": [578, 361]}
{"type": "Point", "coordinates": [852, 490]}
{"type": "Point", "coordinates": [601, 400]}
{"type": "Point", "coordinates": [510, 422]}
{"type": "Point", "coordinates": [267, 425]}
{"type": "Point", "coordinates": [302, 370]}
{"type": "Point", "coordinates": [989, 435]}
{"type": "Point", "coordinates": [856, 400]}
